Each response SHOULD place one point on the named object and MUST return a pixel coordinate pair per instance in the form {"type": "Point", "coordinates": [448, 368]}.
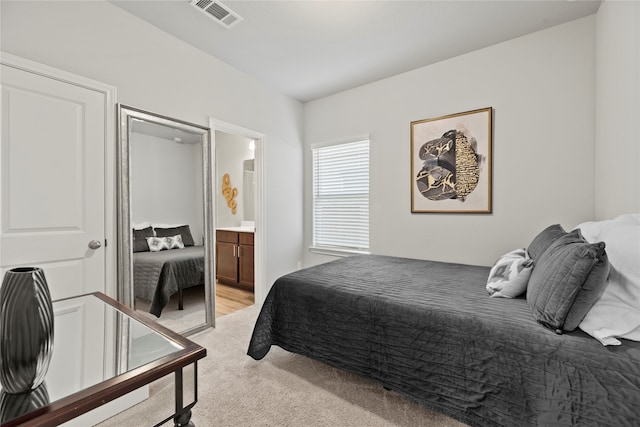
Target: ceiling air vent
{"type": "Point", "coordinates": [217, 11]}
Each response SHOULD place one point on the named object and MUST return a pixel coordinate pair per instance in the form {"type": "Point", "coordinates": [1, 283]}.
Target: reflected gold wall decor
{"type": "Point", "coordinates": [451, 163]}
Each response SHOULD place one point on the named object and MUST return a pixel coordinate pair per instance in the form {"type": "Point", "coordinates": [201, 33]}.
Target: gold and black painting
{"type": "Point", "coordinates": [451, 163]}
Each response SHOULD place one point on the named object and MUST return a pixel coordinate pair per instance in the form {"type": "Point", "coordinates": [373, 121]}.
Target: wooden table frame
{"type": "Point", "coordinates": [85, 400]}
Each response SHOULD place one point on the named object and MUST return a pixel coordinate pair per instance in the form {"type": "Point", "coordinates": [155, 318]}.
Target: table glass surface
{"type": "Point", "coordinates": [77, 363]}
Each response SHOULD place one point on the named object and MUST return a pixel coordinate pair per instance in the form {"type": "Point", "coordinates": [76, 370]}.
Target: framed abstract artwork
{"type": "Point", "coordinates": [451, 163]}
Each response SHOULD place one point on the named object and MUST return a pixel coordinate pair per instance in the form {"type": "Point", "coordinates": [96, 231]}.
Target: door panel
{"type": "Point", "coordinates": [77, 360]}
{"type": "Point", "coordinates": [66, 273]}
{"type": "Point", "coordinates": [226, 261]}
{"type": "Point", "coordinates": [52, 161]}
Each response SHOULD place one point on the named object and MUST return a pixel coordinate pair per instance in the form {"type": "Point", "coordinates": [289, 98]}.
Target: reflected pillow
{"type": "Point", "coordinates": [141, 225]}
{"type": "Point", "coordinates": [140, 239]}
{"type": "Point", "coordinates": [175, 242]}
{"type": "Point", "coordinates": [184, 231]}
{"type": "Point", "coordinates": [509, 276]}
{"type": "Point", "coordinates": [157, 244]}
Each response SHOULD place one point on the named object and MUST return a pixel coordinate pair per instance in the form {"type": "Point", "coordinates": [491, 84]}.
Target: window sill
{"type": "Point", "coordinates": [337, 251]}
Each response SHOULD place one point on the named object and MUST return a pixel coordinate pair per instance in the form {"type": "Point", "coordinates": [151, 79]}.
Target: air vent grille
{"type": "Point", "coordinates": [202, 4]}
{"type": "Point", "coordinates": [217, 11]}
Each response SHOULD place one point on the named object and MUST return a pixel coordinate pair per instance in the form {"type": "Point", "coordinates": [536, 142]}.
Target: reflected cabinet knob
{"type": "Point", "coordinates": [95, 244]}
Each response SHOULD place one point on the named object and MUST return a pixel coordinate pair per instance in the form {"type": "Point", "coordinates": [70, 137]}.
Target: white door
{"type": "Point", "coordinates": [53, 180]}
{"type": "Point", "coordinates": [55, 129]}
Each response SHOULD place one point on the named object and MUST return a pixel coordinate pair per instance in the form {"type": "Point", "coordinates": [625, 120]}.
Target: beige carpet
{"type": "Point", "coordinates": [283, 389]}
{"type": "Point", "coordinates": [178, 320]}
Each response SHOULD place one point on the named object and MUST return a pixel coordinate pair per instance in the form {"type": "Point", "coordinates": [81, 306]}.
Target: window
{"type": "Point", "coordinates": [341, 197]}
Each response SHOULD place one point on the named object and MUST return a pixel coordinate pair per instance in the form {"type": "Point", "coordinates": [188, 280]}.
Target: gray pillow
{"type": "Point", "coordinates": [591, 291]}
{"type": "Point", "coordinates": [543, 240]}
{"type": "Point", "coordinates": [558, 277]}
{"type": "Point", "coordinates": [140, 239]}
{"type": "Point", "coordinates": [184, 231]}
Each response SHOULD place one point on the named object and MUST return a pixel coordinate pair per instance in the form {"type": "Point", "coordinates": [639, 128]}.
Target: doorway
{"type": "Point", "coordinates": [238, 216]}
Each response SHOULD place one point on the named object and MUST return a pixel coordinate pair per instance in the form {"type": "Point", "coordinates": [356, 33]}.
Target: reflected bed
{"type": "Point", "coordinates": [158, 275]}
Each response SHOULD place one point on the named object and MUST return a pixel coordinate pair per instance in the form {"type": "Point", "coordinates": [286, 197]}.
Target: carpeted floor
{"type": "Point", "coordinates": [283, 389]}
{"type": "Point", "coordinates": [178, 320]}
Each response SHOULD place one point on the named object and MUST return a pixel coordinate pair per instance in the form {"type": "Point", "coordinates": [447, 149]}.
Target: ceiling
{"type": "Point", "coordinates": [311, 49]}
{"type": "Point", "coordinates": [165, 132]}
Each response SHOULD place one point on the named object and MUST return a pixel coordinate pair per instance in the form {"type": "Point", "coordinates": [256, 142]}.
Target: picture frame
{"type": "Point", "coordinates": [451, 163]}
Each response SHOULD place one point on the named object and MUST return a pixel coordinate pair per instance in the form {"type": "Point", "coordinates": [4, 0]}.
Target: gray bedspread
{"type": "Point", "coordinates": [158, 275]}
{"type": "Point", "coordinates": [430, 331]}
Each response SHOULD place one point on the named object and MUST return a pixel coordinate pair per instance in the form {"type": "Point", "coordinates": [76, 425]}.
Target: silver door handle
{"type": "Point", "coordinates": [95, 244]}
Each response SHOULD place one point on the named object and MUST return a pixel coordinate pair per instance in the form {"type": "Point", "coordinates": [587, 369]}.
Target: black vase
{"type": "Point", "coordinates": [26, 329]}
{"type": "Point", "coordinates": [13, 406]}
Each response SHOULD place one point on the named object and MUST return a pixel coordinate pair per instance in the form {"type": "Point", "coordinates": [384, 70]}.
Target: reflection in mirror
{"type": "Point", "coordinates": [146, 345]}
{"type": "Point", "coordinates": [165, 218]}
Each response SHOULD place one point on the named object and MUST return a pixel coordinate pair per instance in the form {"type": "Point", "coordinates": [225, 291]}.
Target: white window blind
{"type": "Point", "coordinates": [341, 196]}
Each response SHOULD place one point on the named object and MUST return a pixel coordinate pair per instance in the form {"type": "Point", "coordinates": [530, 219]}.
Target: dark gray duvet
{"type": "Point", "coordinates": [430, 331]}
{"type": "Point", "coordinates": [158, 275]}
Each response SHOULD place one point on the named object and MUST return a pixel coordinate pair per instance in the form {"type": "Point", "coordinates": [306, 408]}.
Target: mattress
{"type": "Point", "coordinates": [430, 331]}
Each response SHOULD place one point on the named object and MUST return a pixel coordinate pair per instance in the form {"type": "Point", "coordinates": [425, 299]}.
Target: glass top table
{"type": "Point", "coordinates": [103, 350]}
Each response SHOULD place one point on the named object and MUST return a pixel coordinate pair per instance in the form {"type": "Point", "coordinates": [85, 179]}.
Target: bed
{"type": "Point", "coordinates": [158, 275]}
{"type": "Point", "coordinates": [430, 331]}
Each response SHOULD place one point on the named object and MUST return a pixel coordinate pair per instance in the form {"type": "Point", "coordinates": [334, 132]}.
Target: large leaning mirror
{"type": "Point", "coordinates": [165, 217]}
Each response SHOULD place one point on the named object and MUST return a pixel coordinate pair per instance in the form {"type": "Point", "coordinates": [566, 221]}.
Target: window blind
{"type": "Point", "coordinates": [341, 196]}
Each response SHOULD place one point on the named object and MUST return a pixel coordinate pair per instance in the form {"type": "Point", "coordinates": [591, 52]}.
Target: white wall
{"type": "Point", "coordinates": [617, 159]}
{"type": "Point", "coordinates": [231, 151]}
{"type": "Point", "coordinates": [157, 72]}
{"type": "Point", "coordinates": [166, 183]}
{"type": "Point", "coordinates": [542, 89]}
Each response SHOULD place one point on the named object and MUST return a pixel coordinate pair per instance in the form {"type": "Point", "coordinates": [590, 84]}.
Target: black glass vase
{"type": "Point", "coordinates": [26, 329]}
{"type": "Point", "coordinates": [13, 406]}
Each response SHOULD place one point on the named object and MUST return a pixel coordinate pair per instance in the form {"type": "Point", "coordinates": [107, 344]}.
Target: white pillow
{"type": "Point", "coordinates": [157, 244]}
{"type": "Point", "coordinates": [617, 313]}
{"type": "Point", "coordinates": [509, 276]}
{"type": "Point", "coordinates": [175, 242]}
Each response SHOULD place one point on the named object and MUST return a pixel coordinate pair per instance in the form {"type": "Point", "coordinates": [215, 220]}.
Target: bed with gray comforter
{"type": "Point", "coordinates": [429, 330]}
{"type": "Point", "coordinates": [158, 275]}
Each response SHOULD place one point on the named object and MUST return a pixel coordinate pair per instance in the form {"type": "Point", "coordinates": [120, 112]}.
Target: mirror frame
{"type": "Point", "coordinates": [126, 295]}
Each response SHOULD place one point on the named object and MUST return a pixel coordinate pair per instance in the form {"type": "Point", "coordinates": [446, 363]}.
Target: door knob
{"type": "Point", "coordinates": [95, 244]}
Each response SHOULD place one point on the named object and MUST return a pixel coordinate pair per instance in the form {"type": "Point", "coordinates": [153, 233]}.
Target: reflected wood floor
{"type": "Point", "coordinates": [230, 299]}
